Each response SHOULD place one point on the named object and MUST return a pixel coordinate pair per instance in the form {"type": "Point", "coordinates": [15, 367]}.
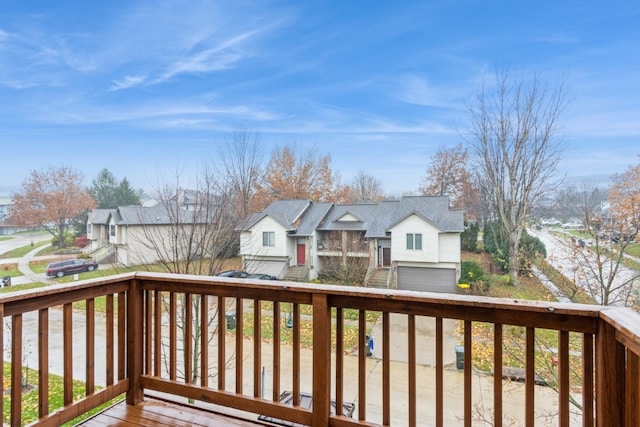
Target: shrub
{"type": "Point", "coordinates": [81, 242]}
{"type": "Point", "coordinates": [471, 273]}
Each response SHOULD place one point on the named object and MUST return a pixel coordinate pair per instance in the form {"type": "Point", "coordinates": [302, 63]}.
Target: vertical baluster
{"type": "Point", "coordinates": [411, 348]}
{"type": "Point", "coordinates": [530, 381]}
{"type": "Point", "coordinates": [148, 335]}
{"type": "Point", "coordinates": [43, 361]}
{"type": "Point", "coordinates": [239, 345]}
{"type": "Point", "coordinates": [362, 366]}
{"type": "Point", "coordinates": [563, 377]}
{"type": "Point", "coordinates": [222, 335]}
{"type": "Point", "coordinates": [257, 348]}
{"type": "Point", "coordinates": [109, 339]}
{"type": "Point", "coordinates": [204, 340]}
{"type": "Point", "coordinates": [277, 337]}
{"type": "Point", "coordinates": [339, 381]}
{"type": "Point", "coordinates": [16, 370]}
{"type": "Point", "coordinates": [468, 366]}
{"type": "Point", "coordinates": [122, 335]}
{"type": "Point", "coordinates": [157, 333]}
{"type": "Point", "coordinates": [439, 349]}
{"type": "Point", "coordinates": [296, 354]}
{"type": "Point", "coordinates": [587, 380]}
{"type": "Point", "coordinates": [173, 336]}
{"type": "Point", "coordinates": [187, 339]}
{"type": "Point", "coordinates": [386, 370]}
{"type": "Point", "coordinates": [497, 375]}
{"type": "Point", "coordinates": [67, 315]}
{"type": "Point", "coordinates": [90, 330]}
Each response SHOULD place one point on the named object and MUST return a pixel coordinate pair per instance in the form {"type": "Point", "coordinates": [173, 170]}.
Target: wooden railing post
{"type": "Point", "coordinates": [610, 385]}
{"type": "Point", "coordinates": [321, 360]}
{"type": "Point", "coordinates": [135, 340]}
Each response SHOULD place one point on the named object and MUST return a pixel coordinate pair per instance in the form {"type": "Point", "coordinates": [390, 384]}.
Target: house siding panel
{"type": "Point", "coordinates": [449, 247]}
{"type": "Point", "coordinates": [430, 237]}
{"type": "Point", "coordinates": [252, 240]}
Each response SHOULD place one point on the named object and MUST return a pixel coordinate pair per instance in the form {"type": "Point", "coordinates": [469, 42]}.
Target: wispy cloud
{"type": "Point", "coordinates": [223, 56]}
{"type": "Point", "coordinates": [127, 82]}
{"type": "Point", "coordinates": [418, 90]}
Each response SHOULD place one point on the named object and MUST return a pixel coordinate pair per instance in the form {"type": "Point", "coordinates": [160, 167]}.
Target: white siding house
{"type": "Point", "coordinates": [412, 243]}
{"type": "Point", "coordinates": [134, 235]}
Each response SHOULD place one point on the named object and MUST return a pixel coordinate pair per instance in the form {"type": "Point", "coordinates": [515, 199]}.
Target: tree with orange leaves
{"type": "Point", "coordinates": [624, 198]}
{"type": "Point", "coordinates": [51, 199]}
{"type": "Point", "coordinates": [296, 174]}
{"type": "Point", "coordinates": [449, 175]}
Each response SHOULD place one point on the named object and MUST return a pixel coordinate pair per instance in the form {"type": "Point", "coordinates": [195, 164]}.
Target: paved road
{"type": "Point", "coordinates": [574, 262]}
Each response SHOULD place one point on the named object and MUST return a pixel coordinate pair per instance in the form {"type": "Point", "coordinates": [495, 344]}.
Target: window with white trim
{"type": "Point", "coordinates": [112, 230]}
{"type": "Point", "coordinates": [414, 241]}
{"type": "Point", "coordinates": [268, 238]}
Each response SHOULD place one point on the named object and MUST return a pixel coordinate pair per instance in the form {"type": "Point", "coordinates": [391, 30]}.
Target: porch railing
{"type": "Point", "coordinates": [239, 344]}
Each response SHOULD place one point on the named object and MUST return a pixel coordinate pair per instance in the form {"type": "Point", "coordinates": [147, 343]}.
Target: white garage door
{"type": "Point", "coordinates": [274, 268]}
{"type": "Point", "coordinates": [427, 279]}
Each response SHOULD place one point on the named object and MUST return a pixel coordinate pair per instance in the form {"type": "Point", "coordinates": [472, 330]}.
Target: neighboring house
{"type": "Point", "coordinates": [133, 235]}
{"type": "Point", "coordinates": [411, 243]}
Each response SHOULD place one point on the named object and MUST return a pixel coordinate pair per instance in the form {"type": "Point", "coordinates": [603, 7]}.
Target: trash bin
{"type": "Point", "coordinates": [368, 345]}
{"type": "Point", "coordinates": [6, 281]}
{"type": "Point", "coordinates": [231, 320]}
{"type": "Point", "coordinates": [459, 357]}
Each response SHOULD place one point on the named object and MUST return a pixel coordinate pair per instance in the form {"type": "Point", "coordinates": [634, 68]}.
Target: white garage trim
{"type": "Point", "coordinates": [427, 279]}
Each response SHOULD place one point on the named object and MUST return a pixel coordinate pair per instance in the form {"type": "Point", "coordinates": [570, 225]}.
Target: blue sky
{"type": "Point", "coordinates": [147, 89]}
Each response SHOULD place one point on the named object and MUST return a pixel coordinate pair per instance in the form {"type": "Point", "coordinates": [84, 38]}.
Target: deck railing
{"type": "Point", "coordinates": [239, 344]}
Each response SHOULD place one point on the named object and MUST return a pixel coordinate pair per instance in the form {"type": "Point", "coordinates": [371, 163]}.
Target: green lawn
{"type": "Point", "coordinates": [22, 251]}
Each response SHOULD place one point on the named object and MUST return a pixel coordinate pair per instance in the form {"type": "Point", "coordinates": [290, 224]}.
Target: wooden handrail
{"type": "Point", "coordinates": [147, 350]}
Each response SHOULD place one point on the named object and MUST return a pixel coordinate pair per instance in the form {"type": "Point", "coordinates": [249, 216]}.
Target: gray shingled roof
{"type": "Point", "coordinates": [432, 208]}
{"type": "Point", "coordinates": [100, 216]}
{"type": "Point", "coordinates": [312, 217]}
{"type": "Point", "coordinates": [374, 218]}
{"type": "Point", "coordinates": [285, 212]}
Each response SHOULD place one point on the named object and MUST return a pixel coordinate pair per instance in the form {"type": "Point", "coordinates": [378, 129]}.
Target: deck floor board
{"type": "Point", "coordinates": [155, 412]}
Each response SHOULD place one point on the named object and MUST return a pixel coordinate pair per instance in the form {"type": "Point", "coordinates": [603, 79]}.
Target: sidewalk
{"type": "Point", "coordinates": [28, 276]}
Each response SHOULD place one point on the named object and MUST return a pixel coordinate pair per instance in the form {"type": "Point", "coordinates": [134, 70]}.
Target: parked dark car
{"type": "Point", "coordinates": [70, 266]}
{"type": "Point", "coordinates": [233, 273]}
{"type": "Point", "coordinates": [262, 276]}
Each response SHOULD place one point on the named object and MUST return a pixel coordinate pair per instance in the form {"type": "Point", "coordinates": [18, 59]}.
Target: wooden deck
{"type": "Point", "coordinates": [156, 330]}
{"type": "Point", "coordinates": [157, 412]}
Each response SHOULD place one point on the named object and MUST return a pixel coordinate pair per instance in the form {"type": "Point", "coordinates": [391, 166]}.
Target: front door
{"type": "Point", "coordinates": [301, 252]}
{"type": "Point", "coordinates": [384, 256]}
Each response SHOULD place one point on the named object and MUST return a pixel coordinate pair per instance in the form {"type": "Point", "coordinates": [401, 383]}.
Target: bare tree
{"type": "Point", "coordinates": [345, 265]}
{"type": "Point", "coordinates": [513, 129]}
{"type": "Point", "coordinates": [241, 162]}
{"type": "Point", "coordinates": [365, 188]}
{"type": "Point", "coordinates": [191, 231]}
